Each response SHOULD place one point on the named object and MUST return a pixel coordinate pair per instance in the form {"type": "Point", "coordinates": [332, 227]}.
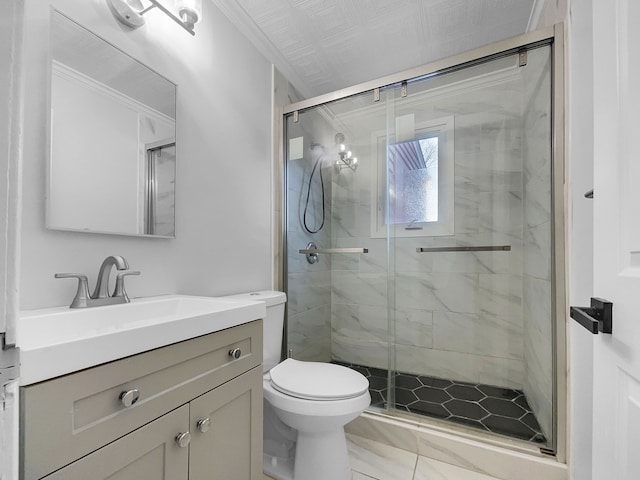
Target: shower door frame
{"type": "Point", "coordinates": [554, 37]}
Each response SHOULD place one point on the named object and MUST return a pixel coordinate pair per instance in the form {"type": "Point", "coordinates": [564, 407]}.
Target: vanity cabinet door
{"type": "Point", "coordinates": [149, 453]}
{"type": "Point", "coordinates": [229, 446]}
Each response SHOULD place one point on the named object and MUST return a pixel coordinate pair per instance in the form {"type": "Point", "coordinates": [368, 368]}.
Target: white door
{"type": "Point", "coordinates": [616, 362]}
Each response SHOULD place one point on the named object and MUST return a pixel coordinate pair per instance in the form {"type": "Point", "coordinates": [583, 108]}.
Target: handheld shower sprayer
{"type": "Point", "coordinates": [319, 156]}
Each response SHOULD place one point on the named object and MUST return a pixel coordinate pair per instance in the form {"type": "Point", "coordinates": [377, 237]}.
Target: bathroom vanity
{"type": "Point", "coordinates": [187, 410]}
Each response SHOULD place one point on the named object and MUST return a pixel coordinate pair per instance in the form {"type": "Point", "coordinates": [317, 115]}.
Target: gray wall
{"type": "Point", "coordinates": [580, 220]}
{"type": "Point", "coordinates": [224, 145]}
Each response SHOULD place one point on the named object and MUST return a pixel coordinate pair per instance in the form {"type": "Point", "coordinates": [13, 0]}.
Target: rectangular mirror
{"type": "Point", "coordinates": [113, 151]}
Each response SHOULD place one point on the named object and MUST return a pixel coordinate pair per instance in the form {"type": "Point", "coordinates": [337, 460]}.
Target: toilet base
{"type": "Point", "coordinates": [318, 456]}
{"type": "Point", "coordinates": [278, 468]}
{"type": "Point", "coordinates": [322, 456]}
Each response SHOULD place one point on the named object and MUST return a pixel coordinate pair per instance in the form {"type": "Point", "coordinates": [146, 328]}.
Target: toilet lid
{"type": "Point", "coordinates": [317, 381]}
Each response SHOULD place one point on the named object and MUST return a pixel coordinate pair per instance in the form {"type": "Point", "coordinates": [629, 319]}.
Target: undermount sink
{"type": "Point", "coordinates": [57, 341]}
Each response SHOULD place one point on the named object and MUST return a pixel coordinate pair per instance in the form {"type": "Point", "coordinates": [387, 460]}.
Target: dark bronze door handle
{"type": "Point", "coordinates": [596, 318]}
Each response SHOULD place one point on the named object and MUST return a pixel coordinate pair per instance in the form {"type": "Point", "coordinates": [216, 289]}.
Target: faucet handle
{"type": "Point", "coordinates": [82, 295]}
{"type": "Point", "coordinates": [119, 291]}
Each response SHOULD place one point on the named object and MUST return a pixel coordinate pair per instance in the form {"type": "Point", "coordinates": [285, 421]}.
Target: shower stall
{"type": "Point", "coordinates": [422, 218]}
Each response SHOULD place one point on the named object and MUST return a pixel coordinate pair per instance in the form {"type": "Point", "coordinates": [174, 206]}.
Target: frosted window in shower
{"type": "Point", "coordinates": [413, 193]}
{"type": "Point", "coordinates": [413, 182]}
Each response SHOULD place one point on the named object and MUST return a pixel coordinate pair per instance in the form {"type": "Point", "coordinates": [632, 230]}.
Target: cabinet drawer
{"type": "Point", "coordinates": [68, 417]}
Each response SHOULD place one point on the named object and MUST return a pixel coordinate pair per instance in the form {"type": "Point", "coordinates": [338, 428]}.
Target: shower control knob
{"type": "Point", "coordinates": [130, 397]}
{"type": "Point", "coordinates": [235, 353]}
{"type": "Point", "coordinates": [204, 425]}
{"type": "Point", "coordinates": [183, 439]}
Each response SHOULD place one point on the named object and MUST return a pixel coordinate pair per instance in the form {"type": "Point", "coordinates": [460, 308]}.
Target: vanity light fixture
{"type": "Point", "coordinates": [185, 13]}
{"type": "Point", "coordinates": [346, 158]}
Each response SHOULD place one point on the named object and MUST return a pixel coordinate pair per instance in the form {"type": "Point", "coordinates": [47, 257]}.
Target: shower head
{"type": "Point", "coordinates": [319, 153]}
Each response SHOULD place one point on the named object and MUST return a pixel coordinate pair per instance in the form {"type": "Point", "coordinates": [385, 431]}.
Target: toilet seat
{"type": "Point", "coordinates": [317, 381]}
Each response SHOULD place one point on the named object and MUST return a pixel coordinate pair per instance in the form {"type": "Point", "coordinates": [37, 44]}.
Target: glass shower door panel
{"type": "Point", "coordinates": [338, 297]}
{"type": "Point", "coordinates": [308, 199]}
{"type": "Point", "coordinates": [468, 171]}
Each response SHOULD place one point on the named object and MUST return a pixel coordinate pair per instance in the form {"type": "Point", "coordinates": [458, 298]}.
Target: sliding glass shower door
{"type": "Point", "coordinates": [419, 243]}
{"type": "Point", "coordinates": [469, 180]}
{"type": "Point", "coordinates": [338, 297]}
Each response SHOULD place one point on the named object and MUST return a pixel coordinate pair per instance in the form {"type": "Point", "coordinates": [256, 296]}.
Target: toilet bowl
{"type": "Point", "coordinates": [307, 405]}
{"type": "Point", "coordinates": [318, 417]}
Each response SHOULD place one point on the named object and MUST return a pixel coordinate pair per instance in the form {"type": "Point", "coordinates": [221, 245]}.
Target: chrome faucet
{"type": "Point", "coordinates": [101, 295]}
{"type": "Point", "coordinates": [102, 283]}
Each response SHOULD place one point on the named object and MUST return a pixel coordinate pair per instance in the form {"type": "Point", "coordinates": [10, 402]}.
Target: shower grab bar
{"type": "Point", "coordinates": [481, 248]}
{"type": "Point", "coordinates": [311, 251]}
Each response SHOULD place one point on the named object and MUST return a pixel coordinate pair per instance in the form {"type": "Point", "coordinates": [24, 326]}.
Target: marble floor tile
{"type": "Point", "coordinates": [380, 461]}
{"type": "Point", "coordinates": [361, 476]}
{"type": "Point", "coordinates": [430, 469]}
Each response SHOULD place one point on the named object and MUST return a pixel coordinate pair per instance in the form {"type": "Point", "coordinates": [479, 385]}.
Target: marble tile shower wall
{"type": "Point", "coordinates": [309, 286]}
{"type": "Point", "coordinates": [537, 285]}
{"type": "Point", "coordinates": [457, 315]}
{"type": "Point", "coordinates": [359, 291]}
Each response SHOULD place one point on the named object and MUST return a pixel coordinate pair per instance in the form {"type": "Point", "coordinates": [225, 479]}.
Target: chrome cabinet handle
{"type": "Point", "coordinates": [235, 353]}
{"type": "Point", "coordinates": [204, 425]}
{"type": "Point", "coordinates": [183, 439]}
{"type": "Point", "coordinates": [129, 397]}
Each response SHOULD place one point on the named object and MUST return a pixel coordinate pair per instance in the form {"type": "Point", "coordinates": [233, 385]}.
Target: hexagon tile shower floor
{"type": "Point", "coordinates": [486, 407]}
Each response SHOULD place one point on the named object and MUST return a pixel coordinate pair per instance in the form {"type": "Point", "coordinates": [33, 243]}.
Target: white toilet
{"type": "Point", "coordinates": [306, 405]}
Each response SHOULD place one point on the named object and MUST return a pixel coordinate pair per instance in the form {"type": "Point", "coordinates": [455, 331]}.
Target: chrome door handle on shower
{"type": "Point", "coordinates": [310, 251]}
{"type": "Point", "coordinates": [480, 248]}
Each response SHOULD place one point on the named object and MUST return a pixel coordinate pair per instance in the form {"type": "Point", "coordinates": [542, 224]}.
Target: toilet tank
{"type": "Point", "coordinates": [272, 325]}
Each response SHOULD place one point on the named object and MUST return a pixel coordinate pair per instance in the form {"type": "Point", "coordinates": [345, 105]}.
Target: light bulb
{"type": "Point", "coordinates": [355, 160]}
{"type": "Point", "coordinates": [349, 154]}
{"type": "Point", "coordinates": [190, 11]}
{"type": "Point", "coordinates": [342, 147]}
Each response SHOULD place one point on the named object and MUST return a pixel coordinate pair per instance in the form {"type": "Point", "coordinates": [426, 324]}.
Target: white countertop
{"type": "Point", "coordinates": [58, 341]}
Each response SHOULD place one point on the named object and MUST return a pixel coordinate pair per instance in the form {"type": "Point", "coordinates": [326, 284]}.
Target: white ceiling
{"type": "Point", "coordinates": [325, 45]}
